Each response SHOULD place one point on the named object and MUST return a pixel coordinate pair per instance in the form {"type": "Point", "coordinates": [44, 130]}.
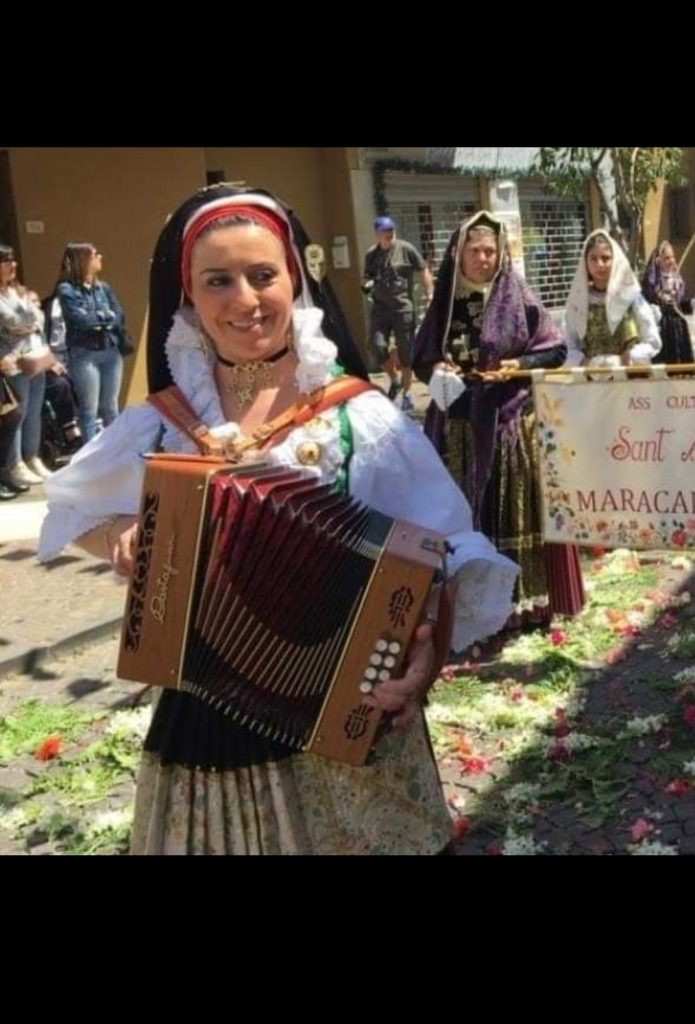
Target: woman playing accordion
{"type": "Point", "coordinates": [242, 322]}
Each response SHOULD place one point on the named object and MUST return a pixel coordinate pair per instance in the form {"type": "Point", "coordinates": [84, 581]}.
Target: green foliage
{"type": "Point", "coordinates": [34, 721]}
{"type": "Point", "coordinates": [522, 741]}
{"type": "Point", "coordinates": [634, 171]}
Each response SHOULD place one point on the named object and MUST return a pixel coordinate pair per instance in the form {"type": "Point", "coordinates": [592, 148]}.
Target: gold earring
{"type": "Point", "coordinates": [202, 342]}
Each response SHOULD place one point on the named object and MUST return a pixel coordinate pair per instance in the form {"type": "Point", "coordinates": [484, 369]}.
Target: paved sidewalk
{"type": "Point", "coordinates": [48, 608]}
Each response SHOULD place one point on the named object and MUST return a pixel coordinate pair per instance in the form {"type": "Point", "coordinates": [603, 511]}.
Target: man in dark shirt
{"type": "Point", "coordinates": [389, 268]}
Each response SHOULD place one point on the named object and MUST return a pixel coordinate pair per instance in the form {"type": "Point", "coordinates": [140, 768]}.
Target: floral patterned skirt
{"type": "Point", "coordinates": [302, 804]}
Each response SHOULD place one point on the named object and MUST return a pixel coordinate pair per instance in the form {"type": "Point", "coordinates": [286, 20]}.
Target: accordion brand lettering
{"type": "Point", "coordinates": [158, 604]}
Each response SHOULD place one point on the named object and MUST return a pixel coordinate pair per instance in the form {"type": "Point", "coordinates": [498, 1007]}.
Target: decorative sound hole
{"type": "Point", "coordinates": [136, 604]}
{"type": "Point", "coordinates": [357, 721]}
{"type": "Point", "coordinates": [401, 602]}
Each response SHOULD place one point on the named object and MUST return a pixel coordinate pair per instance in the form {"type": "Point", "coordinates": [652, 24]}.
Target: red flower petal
{"type": "Point", "coordinates": [678, 787]}
{"type": "Point", "coordinates": [49, 749]}
{"type": "Point", "coordinates": [689, 716]}
{"type": "Point", "coordinates": [461, 827]}
{"type": "Point", "coordinates": [614, 655]}
{"type": "Point", "coordinates": [640, 829]}
{"type": "Point", "coordinates": [628, 630]}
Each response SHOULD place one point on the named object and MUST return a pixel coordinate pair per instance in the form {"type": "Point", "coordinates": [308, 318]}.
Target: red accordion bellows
{"type": "Point", "coordinates": [274, 598]}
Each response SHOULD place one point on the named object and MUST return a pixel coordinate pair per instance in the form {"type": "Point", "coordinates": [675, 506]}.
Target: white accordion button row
{"type": "Point", "coordinates": [381, 661]}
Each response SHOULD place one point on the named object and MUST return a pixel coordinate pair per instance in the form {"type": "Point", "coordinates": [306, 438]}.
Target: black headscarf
{"type": "Point", "coordinates": [166, 289]}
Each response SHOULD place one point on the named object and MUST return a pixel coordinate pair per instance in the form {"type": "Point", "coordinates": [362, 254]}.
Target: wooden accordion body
{"type": "Point", "coordinates": [274, 598]}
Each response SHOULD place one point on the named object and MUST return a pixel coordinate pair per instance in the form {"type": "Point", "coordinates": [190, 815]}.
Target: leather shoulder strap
{"type": "Point", "coordinates": [173, 405]}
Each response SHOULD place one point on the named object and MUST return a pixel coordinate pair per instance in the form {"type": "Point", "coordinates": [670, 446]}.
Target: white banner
{"type": "Point", "coordinates": [617, 461]}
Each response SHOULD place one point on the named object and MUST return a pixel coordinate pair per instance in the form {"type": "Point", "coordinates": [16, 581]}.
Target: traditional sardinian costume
{"type": "Point", "coordinates": [207, 785]}
{"type": "Point", "coordinates": [487, 436]}
{"type": "Point", "coordinates": [612, 325]}
{"type": "Point", "coordinates": [665, 290]}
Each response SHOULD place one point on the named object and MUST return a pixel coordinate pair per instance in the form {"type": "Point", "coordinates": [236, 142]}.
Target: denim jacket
{"type": "Point", "coordinates": [93, 316]}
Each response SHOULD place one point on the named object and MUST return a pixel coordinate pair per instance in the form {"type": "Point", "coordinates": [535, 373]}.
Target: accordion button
{"type": "Point", "coordinates": [389, 662]}
{"type": "Point", "coordinates": [370, 673]}
{"type": "Point", "coordinates": [394, 647]}
{"type": "Point", "coordinates": [381, 646]}
{"type": "Point", "coordinates": [366, 686]}
{"type": "Point", "coordinates": [375, 659]}
{"type": "Point", "coordinates": [384, 675]}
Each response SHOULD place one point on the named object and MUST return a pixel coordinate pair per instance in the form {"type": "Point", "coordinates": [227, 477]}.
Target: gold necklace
{"type": "Point", "coordinates": [246, 379]}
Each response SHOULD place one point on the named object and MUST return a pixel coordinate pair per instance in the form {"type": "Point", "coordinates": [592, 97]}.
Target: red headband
{"type": "Point", "coordinates": [264, 218]}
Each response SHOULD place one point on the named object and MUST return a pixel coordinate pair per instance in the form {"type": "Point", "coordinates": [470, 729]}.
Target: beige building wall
{"type": "Point", "coordinates": [119, 198]}
{"type": "Point", "coordinates": [116, 197]}
{"type": "Point", "coordinates": [655, 225]}
{"type": "Point", "coordinates": [294, 173]}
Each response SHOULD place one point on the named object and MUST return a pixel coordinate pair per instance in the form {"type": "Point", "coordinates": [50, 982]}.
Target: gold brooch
{"type": "Point", "coordinates": [309, 453]}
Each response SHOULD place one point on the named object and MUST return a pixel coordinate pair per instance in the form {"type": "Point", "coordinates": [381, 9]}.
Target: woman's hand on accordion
{"type": "Point", "coordinates": [119, 539]}
{"type": "Point", "coordinates": [404, 696]}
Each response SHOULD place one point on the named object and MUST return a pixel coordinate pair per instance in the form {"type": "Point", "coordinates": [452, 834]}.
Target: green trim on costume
{"type": "Point", "coordinates": [346, 439]}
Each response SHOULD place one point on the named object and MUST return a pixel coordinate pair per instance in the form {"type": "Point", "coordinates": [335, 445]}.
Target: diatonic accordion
{"type": "Point", "coordinates": [274, 598]}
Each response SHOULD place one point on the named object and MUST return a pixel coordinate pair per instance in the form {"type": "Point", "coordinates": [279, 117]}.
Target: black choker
{"type": "Point", "coordinates": [270, 359]}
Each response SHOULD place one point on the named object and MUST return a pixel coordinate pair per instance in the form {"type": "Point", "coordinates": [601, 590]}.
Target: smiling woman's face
{"type": "Point", "coordinates": [242, 291]}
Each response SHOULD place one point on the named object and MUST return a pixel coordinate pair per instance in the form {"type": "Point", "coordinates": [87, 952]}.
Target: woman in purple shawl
{"type": "Point", "coordinates": [484, 317]}
{"type": "Point", "coordinates": [662, 286]}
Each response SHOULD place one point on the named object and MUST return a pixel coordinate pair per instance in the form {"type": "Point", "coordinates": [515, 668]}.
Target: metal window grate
{"type": "Point", "coordinates": [429, 225]}
{"type": "Point", "coordinates": [553, 231]}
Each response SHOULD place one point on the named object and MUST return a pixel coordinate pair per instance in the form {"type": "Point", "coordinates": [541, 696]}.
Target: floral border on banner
{"type": "Point", "coordinates": [570, 526]}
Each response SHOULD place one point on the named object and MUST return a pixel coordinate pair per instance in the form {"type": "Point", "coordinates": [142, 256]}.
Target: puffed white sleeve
{"type": "Point", "coordinates": [575, 352]}
{"type": "Point", "coordinates": [104, 478]}
{"type": "Point", "coordinates": [649, 344]}
{"type": "Point", "coordinates": [396, 470]}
